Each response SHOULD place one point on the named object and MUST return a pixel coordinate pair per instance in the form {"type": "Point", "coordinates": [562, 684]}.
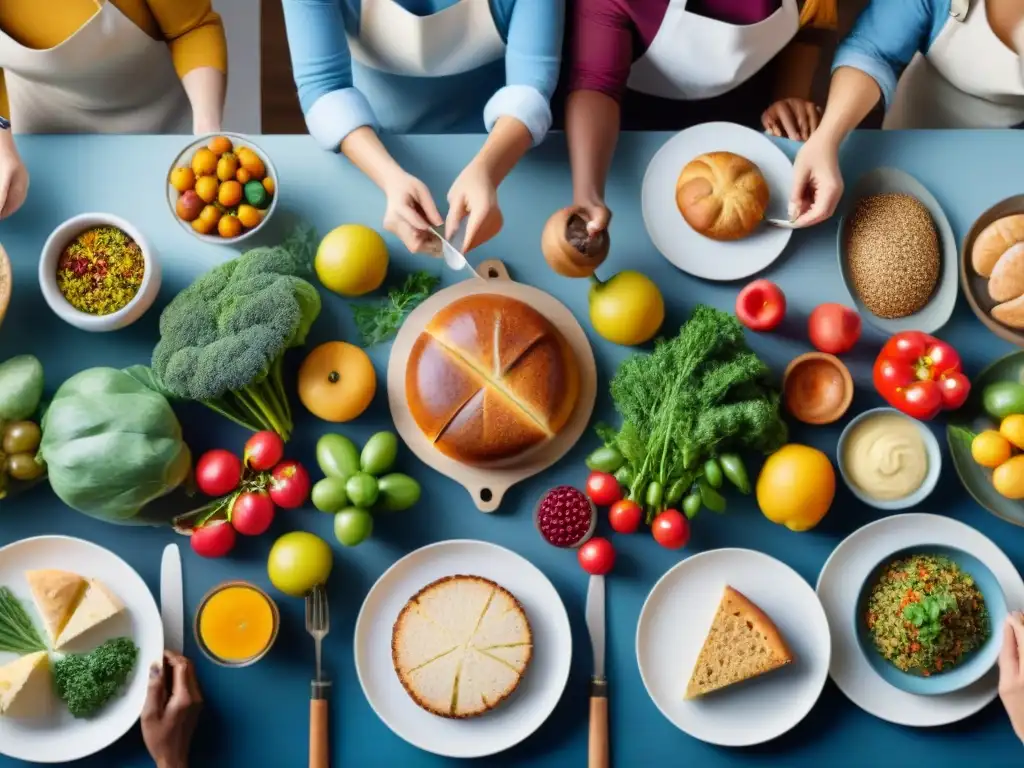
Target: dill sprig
{"type": "Point", "coordinates": [17, 632]}
{"type": "Point", "coordinates": [380, 321]}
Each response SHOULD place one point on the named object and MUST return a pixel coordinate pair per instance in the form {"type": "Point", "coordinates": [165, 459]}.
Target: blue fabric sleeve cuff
{"type": "Point", "coordinates": [523, 102]}
{"type": "Point", "coordinates": [336, 114]}
{"type": "Point", "coordinates": [878, 70]}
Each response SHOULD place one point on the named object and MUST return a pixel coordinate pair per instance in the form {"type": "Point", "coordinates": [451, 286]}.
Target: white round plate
{"type": "Point", "coordinates": [839, 586]}
{"type": "Point", "coordinates": [59, 737]}
{"type": "Point", "coordinates": [534, 699]}
{"type": "Point", "coordinates": [675, 621]}
{"type": "Point", "coordinates": [693, 253]}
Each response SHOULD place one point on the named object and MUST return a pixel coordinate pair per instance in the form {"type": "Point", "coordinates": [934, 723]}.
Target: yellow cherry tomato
{"type": "Point", "coordinates": [268, 184]}
{"type": "Point", "coordinates": [230, 194]}
{"type": "Point", "coordinates": [249, 216]}
{"type": "Point", "coordinates": [206, 188]}
{"type": "Point", "coordinates": [219, 145]}
{"type": "Point", "coordinates": [1012, 429]}
{"type": "Point", "coordinates": [227, 166]}
{"type": "Point", "coordinates": [1008, 478]}
{"type": "Point", "coordinates": [183, 179]}
{"type": "Point", "coordinates": [204, 162]}
{"type": "Point", "coordinates": [229, 226]}
{"type": "Point", "coordinates": [990, 448]}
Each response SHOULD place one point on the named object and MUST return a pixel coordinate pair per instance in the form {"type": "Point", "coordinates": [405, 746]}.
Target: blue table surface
{"type": "Point", "coordinates": [258, 716]}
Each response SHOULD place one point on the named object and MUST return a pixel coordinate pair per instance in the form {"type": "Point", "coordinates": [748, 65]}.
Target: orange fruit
{"type": "Point", "coordinates": [230, 194]}
{"type": "Point", "coordinates": [202, 226]}
{"type": "Point", "coordinates": [229, 226]}
{"type": "Point", "coordinates": [211, 215]}
{"type": "Point", "coordinates": [249, 216]}
{"type": "Point", "coordinates": [219, 145]}
{"type": "Point", "coordinates": [251, 162]}
{"type": "Point", "coordinates": [227, 166]}
{"type": "Point", "coordinates": [268, 184]}
{"type": "Point", "coordinates": [796, 487]}
{"type": "Point", "coordinates": [204, 162]}
{"type": "Point", "coordinates": [242, 176]}
{"type": "Point", "coordinates": [206, 188]}
{"type": "Point", "coordinates": [336, 381]}
{"type": "Point", "coordinates": [183, 179]}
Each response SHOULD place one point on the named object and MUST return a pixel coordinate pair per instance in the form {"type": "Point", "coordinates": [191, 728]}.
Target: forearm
{"type": "Point", "coordinates": [795, 70]}
{"type": "Point", "coordinates": [205, 87]}
{"type": "Point", "coordinates": [368, 153]}
{"type": "Point", "coordinates": [5, 107]}
{"type": "Point", "coordinates": [851, 97]}
{"type": "Point", "coordinates": [592, 130]}
{"type": "Point", "coordinates": [506, 144]}
{"type": "Point", "coordinates": [7, 145]}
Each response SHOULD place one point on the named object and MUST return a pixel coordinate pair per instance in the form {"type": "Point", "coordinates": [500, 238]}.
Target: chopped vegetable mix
{"type": "Point", "coordinates": [87, 681]}
{"type": "Point", "coordinates": [17, 632]}
{"type": "Point", "coordinates": [100, 271]}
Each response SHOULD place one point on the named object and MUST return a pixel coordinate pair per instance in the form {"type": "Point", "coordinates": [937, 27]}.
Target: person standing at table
{"type": "Point", "coordinates": [960, 69]}
{"type": "Point", "coordinates": [668, 64]}
{"type": "Point", "coordinates": [428, 66]}
{"type": "Point", "coordinates": [105, 66]}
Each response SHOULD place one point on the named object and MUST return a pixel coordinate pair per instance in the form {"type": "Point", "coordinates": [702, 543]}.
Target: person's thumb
{"type": "Point", "coordinates": [798, 198]}
{"type": "Point", "coordinates": [597, 219]}
{"type": "Point", "coordinates": [156, 692]}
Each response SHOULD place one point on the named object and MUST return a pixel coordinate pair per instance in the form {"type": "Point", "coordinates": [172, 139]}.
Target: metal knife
{"type": "Point", "coordinates": [598, 745]}
{"type": "Point", "coordinates": [453, 257]}
{"type": "Point", "coordinates": [172, 599]}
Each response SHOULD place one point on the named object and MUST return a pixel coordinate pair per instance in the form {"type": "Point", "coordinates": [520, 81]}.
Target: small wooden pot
{"type": "Point", "coordinates": [568, 248]}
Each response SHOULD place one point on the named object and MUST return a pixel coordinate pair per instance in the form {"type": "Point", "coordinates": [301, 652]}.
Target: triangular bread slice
{"type": "Point", "coordinates": [97, 606]}
{"type": "Point", "coordinates": [56, 594]}
{"type": "Point", "coordinates": [25, 686]}
{"type": "Point", "coordinates": [742, 643]}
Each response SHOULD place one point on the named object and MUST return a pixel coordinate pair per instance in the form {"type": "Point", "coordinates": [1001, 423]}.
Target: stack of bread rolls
{"type": "Point", "coordinates": [998, 254]}
{"type": "Point", "coordinates": [722, 196]}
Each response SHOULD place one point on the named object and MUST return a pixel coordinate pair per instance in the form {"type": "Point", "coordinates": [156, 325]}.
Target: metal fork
{"type": "Point", "coordinates": [318, 624]}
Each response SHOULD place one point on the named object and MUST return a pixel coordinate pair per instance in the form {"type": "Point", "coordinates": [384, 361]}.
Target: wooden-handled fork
{"type": "Point", "coordinates": [318, 624]}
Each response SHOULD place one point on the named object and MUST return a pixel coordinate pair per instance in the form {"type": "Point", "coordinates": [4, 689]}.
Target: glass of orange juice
{"type": "Point", "coordinates": [236, 624]}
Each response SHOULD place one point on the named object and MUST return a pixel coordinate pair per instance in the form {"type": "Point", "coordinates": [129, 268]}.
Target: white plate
{"type": "Point", "coordinates": [676, 618]}
{"type": "Point", "coordinates": [839, 585]}
{"type": "Point", "coordinates": [698, 255]}
{"type": "Point", "coordinates": [60, 738]}
{"type": "Point", "coordinates": [527, 708]}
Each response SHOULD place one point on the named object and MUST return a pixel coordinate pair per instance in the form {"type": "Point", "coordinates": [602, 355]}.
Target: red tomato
{"type": "Point", "coordinates": [671, 529]}
{"type": "Point", "coordinates": [218, 472]}
{"type": "Point", "coordinates": [252, 513]}
{"type": "Point", "coordinates": [761, 306]}
{"type": "Point", "coordinates": [597, 556]}
{"type": "Point", "coordinates": [603, 489]}
{"type": "Point", "coordinates": [833, 328]}
{"type": "Point", "coordinates": [625, 516]}
{"type": "Point", "coordinates": [263, 451]}
{"type": "Point", "coordinates": [955, 388]}
{"type": "Point", "coordinates": [215, 539]}
{"type": "Point", "coordinates": [289, 485]}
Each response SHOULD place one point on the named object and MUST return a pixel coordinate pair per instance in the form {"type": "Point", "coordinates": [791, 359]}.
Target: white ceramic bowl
{"type": "Point", "coordinates": [55, 244]}
{"type": "Point", "coordinates": [184, 159]}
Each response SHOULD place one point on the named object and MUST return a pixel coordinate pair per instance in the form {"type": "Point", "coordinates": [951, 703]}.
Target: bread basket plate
{"type": "Point", "coordinates": [940, 306]}
{"type": "Point", "coordinates": [488, 484]}
{"type": "Point", "coordinates": [975, 286]}
{"type": "Point", "coordinates": [542, 684]}
{"type": "Point", "coordinates": [6, 282]}
{"type": "Point", "coordinates": [839, 586]}
{"type": "Point", "coordinates": [675, 621]}
{"type": "Point", "coordinates": [691, 252]}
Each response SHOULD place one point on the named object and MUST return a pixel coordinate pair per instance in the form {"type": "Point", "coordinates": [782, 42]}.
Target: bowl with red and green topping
{"type": "Point", "coordinates": [98, 272]}
{"type": "Point", "coordinates": [929, 619]}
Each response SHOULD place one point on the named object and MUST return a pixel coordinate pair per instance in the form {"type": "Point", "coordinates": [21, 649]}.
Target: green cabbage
{"type": "Point", "coordinates": [112, 445]}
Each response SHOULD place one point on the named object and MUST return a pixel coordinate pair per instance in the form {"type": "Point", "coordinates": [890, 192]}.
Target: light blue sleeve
{"type": "Point", "coordinates": [887, 35]}
{"type": "Point", "coordinates": [532, 57]}
{"type": "Point", "coordinates": [322, 66]}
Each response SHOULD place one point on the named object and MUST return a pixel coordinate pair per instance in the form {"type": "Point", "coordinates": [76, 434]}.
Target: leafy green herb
{"type": "Point", "coordinates": [381, 320]}
{"type": "Point", "coordinates": [927, 615]}
{"type": "Point", "coordinates": [17, 632]}
{"type": "Point", "coordinates": [87, 681]}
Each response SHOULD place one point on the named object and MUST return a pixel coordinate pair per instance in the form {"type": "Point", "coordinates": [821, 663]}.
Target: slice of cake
{"type": "Point", "coordinates": [460, 646]}
{"type": "Point", "coordinates": [56, 594]}
{"type": "Point", "coordinates": [97, 606]}
{"type": "Point", "coordinates": [742, 643]}
{"type": "Point", "coordinates": [25, 686]}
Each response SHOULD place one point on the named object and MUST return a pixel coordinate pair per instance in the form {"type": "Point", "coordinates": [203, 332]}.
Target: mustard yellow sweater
{"type": "Point", "coordinates": [191, 29]}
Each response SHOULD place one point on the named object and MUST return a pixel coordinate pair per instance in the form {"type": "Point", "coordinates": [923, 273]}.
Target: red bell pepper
{"type": "Point", "coordinates": [920, 375]}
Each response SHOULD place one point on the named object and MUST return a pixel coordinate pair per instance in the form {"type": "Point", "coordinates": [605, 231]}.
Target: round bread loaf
{"type": "Point", "coordinates": [722, 195]}
{"type": "Point", "coordinates": [489, 378]}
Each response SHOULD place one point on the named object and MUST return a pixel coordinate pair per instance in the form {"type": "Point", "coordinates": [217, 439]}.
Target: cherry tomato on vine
{"type": "Point", "coordinates": [218, 472]}
{"type": "Point", "coordinates": [263, 451]}
{"type": "Point", "coordinates": [289, 485]}
{"type": "Point", "coordinates": [252, 512]}
{"type": "Point", "coordinates": [215, 539]}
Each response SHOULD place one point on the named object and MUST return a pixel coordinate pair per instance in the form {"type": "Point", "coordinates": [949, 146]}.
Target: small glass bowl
{"type": "Point", "coordinates": [244, 662]}
{"type": "Point", "coordinates": [586, 536]}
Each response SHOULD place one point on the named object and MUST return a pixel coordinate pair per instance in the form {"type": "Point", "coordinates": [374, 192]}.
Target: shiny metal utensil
{"type": "Point", "coordinates": [318, 624]}
{"type": "Point", "coordinates": [172, 599]}
{"type": "Point", "coordinates": [780, 223]}
{"type": "Point", "coordinates": [453, 257]}
{"type": "Point", "coordinates": [597, 751]}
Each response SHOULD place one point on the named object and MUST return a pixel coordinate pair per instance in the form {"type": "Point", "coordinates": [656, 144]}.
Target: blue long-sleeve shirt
{"type": "Point", "coordinates": [339, 95]}
{"type": "Point", "coordinates": [887, 35]}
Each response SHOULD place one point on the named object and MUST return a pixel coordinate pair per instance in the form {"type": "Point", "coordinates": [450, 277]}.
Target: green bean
{"type": "Point", "coordinates": [605, 459]}
{"type": "Point", "coordinates": [711, 498]}
{"type": "Point", "coordinates": [654, 494]}
{"type": "Point", "coordinates": [676, 491]}
{"type": "Point", "coordinates": [692, 505]}
{"type": "Point", "coordinates": [713, 473]}
{"type": "Point", "coordinates": [735, 471]}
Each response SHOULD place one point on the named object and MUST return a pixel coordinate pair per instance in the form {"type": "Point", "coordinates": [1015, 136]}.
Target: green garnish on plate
{"type": "Point", "coordinates": [17, 632]}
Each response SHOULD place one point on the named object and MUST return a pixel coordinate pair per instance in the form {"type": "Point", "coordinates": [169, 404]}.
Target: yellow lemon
{"type": "Point", "coordinates": [1008, 478]}
{"type": "Point", "coordinates": [990, 449]}
{"type": "Point", "coordinates": [1012, 429]}
{"type": "Point", "coordinates": [628, 309]}
{"type": "Point", "coordinates": [796, 487]}
{"type": "Point", "coordinates": [352, 260]}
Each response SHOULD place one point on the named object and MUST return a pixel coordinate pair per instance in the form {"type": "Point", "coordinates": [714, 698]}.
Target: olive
{"type": "Point", "coordinates": [21, 437]}
{"type": "Point", "coordinates": [23, 466]}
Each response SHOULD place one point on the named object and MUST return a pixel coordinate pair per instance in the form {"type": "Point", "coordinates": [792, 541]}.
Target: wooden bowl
{"type": "Point", "coordinates": [6, 282]}
{"type": "Point", "coordinates": [817, 388]}
{"type": "Point", "coordinates": [975, 286]}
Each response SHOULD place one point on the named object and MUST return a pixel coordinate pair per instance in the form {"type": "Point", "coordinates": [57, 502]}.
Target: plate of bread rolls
{"type": "Point", "coordinates": [706, 195]}
{"type": "Point", "coordinates": [992, 269]}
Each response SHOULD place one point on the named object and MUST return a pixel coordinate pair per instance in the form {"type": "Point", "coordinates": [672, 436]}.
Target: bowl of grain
{"type": "Point", "coordinates": [986, 279]}
{"type": "Point", "coordinates": [897, 253]}
{"type": "Point", "coordinates": [6, 282]}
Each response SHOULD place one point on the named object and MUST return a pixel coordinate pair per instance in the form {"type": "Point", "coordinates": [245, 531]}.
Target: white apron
{"type": "Point", "coordinates": [693, 57]}
{"type": "Point", "coordinates": [458, 39]}
{"type": "Point", "coordinates": [108, 77]}
{"type": "Point", "coordinates": [968, 79]}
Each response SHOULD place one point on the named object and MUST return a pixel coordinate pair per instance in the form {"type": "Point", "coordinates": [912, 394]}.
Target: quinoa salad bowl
{"type": "Point", "coordinates": [98, 273]}
{"type": "Point", "coordinates": [929, 619]}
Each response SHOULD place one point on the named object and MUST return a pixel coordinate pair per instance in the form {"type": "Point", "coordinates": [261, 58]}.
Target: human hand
{"type": "Point", "coordinates": [411, 212]}
{"type": "Point", "coordinates": [13, 176]}
{"type": "Point", "coordinates": [595, 212]}
{"type": "Point", "coordinates": [792, 118]}
{"type": "Point", "coordinates": [475, 194]}
{"type": "Point", "coordinates": [817, 182]}
{"type": "Point", "coordinates": [1011, 671]}
{"type": "Point", "coordinates": [172, 710]}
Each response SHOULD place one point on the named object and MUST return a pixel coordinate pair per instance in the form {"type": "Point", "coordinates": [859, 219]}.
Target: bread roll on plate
{"type": "Point", "coordinates": [994, 241]}
{"type": "Point", "coordinates": [722, 195]}
{"type": "Point", "coordinates": [1007, 279]}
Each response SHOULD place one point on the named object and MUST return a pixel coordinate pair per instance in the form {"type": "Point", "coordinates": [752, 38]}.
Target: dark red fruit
{"type": "Point", "coordinates": [565, 516]}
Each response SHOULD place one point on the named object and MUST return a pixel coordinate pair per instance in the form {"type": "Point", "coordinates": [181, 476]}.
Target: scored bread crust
{"type": "Point", "coordinates": [722, 195]}
{"type": "Point", "coordinates": [412, 606]}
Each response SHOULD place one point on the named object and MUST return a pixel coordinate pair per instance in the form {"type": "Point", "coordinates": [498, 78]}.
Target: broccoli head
{"type": "Point", "coordinates": [223, 339]}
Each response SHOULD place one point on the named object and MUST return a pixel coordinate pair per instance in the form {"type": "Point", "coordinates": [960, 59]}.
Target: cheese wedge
{"type": "Point", "coordinates": [25, 686]}
{"type": "Point", "coordinates": [56, 594]}
{"type": "Point", "coordinates": [97, 606]}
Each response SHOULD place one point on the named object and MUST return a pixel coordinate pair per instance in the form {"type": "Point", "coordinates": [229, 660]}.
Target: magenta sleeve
{"type": "Point", "coordinates": [602, 47]}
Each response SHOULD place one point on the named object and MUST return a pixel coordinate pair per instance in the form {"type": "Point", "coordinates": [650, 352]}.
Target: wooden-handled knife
{"type": "Point", "coordinates": [598, 748]}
